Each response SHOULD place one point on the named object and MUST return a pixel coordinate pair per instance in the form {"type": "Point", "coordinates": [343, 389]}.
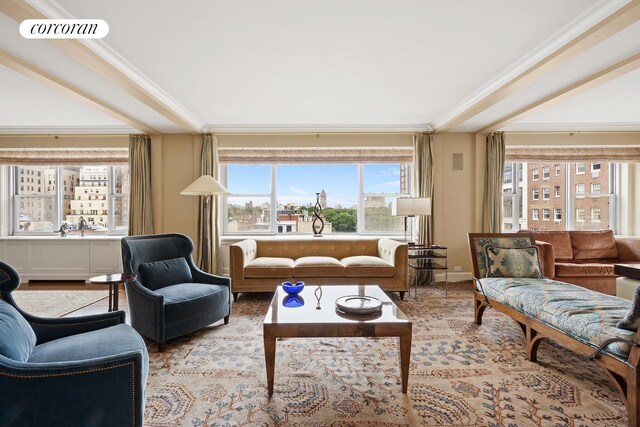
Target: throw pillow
{"type": "Point", "coordinates": [17, 339]}
{"type": "Point", "coordinates": [513, 262]}
{"type": "Point", "coordinates": [631, 321]}
{"type": "Point", "coordinates": [158, 274]}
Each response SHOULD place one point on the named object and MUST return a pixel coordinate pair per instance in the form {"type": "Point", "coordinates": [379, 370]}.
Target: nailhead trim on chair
{"type": "Point", "coordinates": [89, 371]}
{"type": "Point", "coordinates": [75, 324]}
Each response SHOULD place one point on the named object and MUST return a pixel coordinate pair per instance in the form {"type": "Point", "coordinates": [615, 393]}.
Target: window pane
{"type": "Point", "coordinates": [36, 213]}
{"type": "Point", "coordinates": [297, 187]}
{"type": "Point", "coordinates": [89, 202]}
{"type": "Point", "coordinates": [249, 179]}
{"type": "Point", "coordinates": [36, 180]}
{"type": "Point", "coordinates": [248, 214]}
{"type": "Point", "coordinates": [377, 215]}
{"type": "Point", "coordinates": [121, 214]}
{"type": "Point", "coordinates": [121, 179]}
{"type": "Point", "coordinates": [386, 179]}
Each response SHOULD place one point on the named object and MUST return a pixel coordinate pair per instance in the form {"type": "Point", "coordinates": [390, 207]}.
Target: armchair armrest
{"type": "Point", "coordinates": [628, 248]}
{"type": "Point", "coordinates": [148, 315]}
{"type": "Point", "coordinates": [200, 276]}
{"type": "Point", "coordinates": [395, 253]}
{"type": "Point", "coordinates": [240, 254]}
{"type": "Point", "coordinates": [547, 259]}
{"type": "Point", "coordinates": [109, 389]}
{"type": "Point", "coordinates": [47, 329]}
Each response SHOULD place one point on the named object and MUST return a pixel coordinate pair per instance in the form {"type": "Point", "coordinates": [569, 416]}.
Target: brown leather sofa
{"type": "Point", "coordinates": [585, 258]}
{"type": "Point", "coordinates": [261, 265]}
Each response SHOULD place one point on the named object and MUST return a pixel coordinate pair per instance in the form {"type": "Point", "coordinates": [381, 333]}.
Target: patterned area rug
{"type": "Point", "coordinates": [56, 303]}
{"type": "Point", "coordinates": [461, 375]}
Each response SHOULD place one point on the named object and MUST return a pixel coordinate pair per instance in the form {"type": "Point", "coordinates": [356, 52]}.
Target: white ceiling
{"type": "Point", "coordinates": [290, 63]}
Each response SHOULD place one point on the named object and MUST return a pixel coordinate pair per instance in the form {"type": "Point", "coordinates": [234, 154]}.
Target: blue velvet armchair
{"type": "Point", "coordinates": [75, 371]}
{"type": "Point", "coordinates": [171, 296]}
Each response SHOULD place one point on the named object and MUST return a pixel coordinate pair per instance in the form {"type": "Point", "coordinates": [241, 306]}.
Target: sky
{"type": "Point", "coordinates": [299, 183]}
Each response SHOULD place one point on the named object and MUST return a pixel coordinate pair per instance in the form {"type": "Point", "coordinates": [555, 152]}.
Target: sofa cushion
{"type": "Point", "coordinates": [512, 262]}
{"type": "Point", "coordinates": [158, 274]}
{"type": "Point", "coordinates": [318, 266]}
{"type": "Point", "coordinates": [17, 339]}
{"type": "Point", "coordinates": [366, 266]}
{"type": "Point", "coordinates": [185, 301]}
{"type": "Point", "coordinates": [583, 269]}
{"type": "Point", "coordinates": [583, 314]}
{"type": "Point", "coordinates": [269, 267]}
{"type": "Point", "coordinates": [593, 244]}
{"type": "Point", "coordinates": [560, 240]}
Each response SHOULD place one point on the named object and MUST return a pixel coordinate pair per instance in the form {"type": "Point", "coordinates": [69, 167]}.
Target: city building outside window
{"type": "Point", "coordinates": [279, 198]}
{"type": "Point", "coordinates": [535, 174]}
{"type": "Point", "coordinates": [595, 214]}
{"type": "Point", "coordinates": [556, 191]}
{"type": "Point", "coordinates": [545, 172]}
{"type": "Point", "coordinates": [546, 213]}
{"type": "Point", "coordinates": [535, 214]}
{"type": "Point", "coordinates": [557, 214]}
{"type": "Point", "coordinates": [580, 214]}
{"type": "Point", "coordinates": [579, 168]}
{"type": "Point", "coordinates": [97, 194]}
{"type": "Point", "coordinates": [595, 187]}
{"type": "Point", "coordinates": [580, 188]}
{"type": "Point", "coordinates": [535, 194]}
{"type": "Point", "coordinates": [545, 193]}
{"type": "Point", "coordinates": [556, 169]}
{"type": "Point", "coordinates": [595, 167]}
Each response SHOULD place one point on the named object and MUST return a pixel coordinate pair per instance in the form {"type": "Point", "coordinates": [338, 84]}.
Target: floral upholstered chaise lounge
{"type": "Point", "coordinates": [580, 319]}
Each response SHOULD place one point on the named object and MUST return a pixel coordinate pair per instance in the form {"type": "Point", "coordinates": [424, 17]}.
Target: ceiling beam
{"type": "Point", "coordinates": [614, 23]}
{"type": "Point", "coordinates": [28, 70]}
{"type": "Point", "coordinates": [616, 70]}
{"type": "Point", "coordinates": [142, 89]}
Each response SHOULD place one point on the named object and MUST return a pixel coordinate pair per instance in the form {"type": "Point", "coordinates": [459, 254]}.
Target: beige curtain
{"type": "Point", "coordinates": [208, 259]}
{"type": "Point", "coordinates": [423, 175]}
{"type": "Point", "coordinates": [140, 213]}
{"type": "Point", "coordinates": [493, 177]}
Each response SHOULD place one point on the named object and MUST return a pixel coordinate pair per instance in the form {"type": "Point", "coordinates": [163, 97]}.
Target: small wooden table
{"type": "Point", "coordinates": [309, 322]}
{"type": "Point", "coordinates": [113, 280]}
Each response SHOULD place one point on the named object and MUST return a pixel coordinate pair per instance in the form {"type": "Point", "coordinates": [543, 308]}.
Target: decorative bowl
{"type": "Point", "coordinates": [293, 301]}
{"type": "Point", "coordinates": [291, 288]}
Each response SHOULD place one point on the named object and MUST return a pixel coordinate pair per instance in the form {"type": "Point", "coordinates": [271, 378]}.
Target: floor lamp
{"type": "Point", "coordinates": [409, 207]}
{"type": "Point", "coordinates": [205, 186]}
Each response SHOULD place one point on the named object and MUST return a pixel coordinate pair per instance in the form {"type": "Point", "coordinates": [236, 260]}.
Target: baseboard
{"type": "Point", "coordinates": [454, 277]}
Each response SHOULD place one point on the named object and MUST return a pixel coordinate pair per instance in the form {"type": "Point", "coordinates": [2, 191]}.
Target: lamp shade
{"type": "Point", "coordinates": [411, 206]}
{"type": "Point", "coordinates": [204, 186]}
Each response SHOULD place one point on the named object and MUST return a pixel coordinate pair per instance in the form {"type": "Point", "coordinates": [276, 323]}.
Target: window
{"type": "Point", "coordinates": [535, 174]}
{"type": "Point", "coordinates": [595, 187]}
{"type": "Point", "coordinates": [580, 214]}
{"type": "Point", "coordinates": [595, 214]}
{"type": "Point", "coordinates": [535, 214]}
{"type": "Point", "coordinates": [557, 214]}
{"type": "Point", "coordinates": [535, 194]}
{"type": "Point", "coordinates": [580, 188]}
{"type": "Point", "coordinates": [556, 191]}
{"type": "Point", "coordinates": [579, 168]}
{"type": "Point", "coordinates": [545, 172]}
{"type": "Point", "coordinates": [545, 214]}
{"type": "Point", "coordinates": [279, 198]}
{"type": "Point", "coordinates": [45, 209]}
{"type": "Point", "coordinates": [545, 193]}
{"type": "Point", "coordinates": [595, 167]}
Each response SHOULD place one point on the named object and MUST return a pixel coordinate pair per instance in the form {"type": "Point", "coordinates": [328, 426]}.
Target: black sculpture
{"type": "Point", "coordinates": [317, 210]}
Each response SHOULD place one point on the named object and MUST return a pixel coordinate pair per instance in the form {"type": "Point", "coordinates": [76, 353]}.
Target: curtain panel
{"type": "Point", "coordinates": [493, 177]}
{"type": "Point", "coordinates": [423, 176]}
{"type": "Point", "coordinates": [140, 209]}
{"type": "Point", "coordinates": [208, 212]}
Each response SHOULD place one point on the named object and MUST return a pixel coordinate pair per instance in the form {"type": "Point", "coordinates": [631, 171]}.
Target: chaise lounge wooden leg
{"type": "Point", "coordinates": [479, 307]}
{"type": "Point", "coordinates": [226, 320]}
{"type": "Point", "coordinates": [532, 343]}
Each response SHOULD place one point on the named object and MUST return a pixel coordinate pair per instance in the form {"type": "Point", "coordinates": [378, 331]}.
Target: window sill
{"type": "Point", "coordinates": [57, 237]}
{"type": "Point", "coordinates": [230, 239]}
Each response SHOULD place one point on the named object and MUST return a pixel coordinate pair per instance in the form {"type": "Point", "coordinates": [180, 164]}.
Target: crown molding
{"type": "Point", "coordinates": [596, 13]}
{"type": "Point", "coordinates": [573, 127]}
{"type": "Point", "coordinates": [52, 9]}
{"type": "Point", "coordinates": [316, 128]}
{"type": "Point", "coordinates": [67, 130]}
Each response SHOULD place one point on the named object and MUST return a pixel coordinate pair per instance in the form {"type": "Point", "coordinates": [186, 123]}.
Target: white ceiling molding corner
{"type": "Point", "coordinates": [572, 127]}
{"type": "Point", "coordinates": [573, 29]}
{"type": "Point", "coordinates": [67, 130]}
{"type": "Point", "coordinates": [53, 10]}
{"type": "Point", "coordinates": [310, 128]}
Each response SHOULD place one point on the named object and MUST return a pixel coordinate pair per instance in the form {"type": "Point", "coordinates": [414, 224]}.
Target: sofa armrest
{"type": "Point", "coordinates": [628, 248]}
{"type": "Point", "coordinates": [395, 253]}
{"type": "Point", "coordinates": [240, 254]}
{"type": "Point", "coordinates": [547, 259]}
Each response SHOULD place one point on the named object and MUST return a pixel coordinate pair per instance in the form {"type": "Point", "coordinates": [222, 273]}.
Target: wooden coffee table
{"type": "Point", "coordinates": [309, 322]}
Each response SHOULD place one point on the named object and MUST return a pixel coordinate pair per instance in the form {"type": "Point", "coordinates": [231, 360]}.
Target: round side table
{"type": "Point", "coordinates": [113, 280]}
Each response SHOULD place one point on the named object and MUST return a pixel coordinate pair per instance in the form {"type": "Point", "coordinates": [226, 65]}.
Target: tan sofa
{"type": "Point", "coordinates": [260, 265]}
{"type": "Point", "coordinates": [585, 258]}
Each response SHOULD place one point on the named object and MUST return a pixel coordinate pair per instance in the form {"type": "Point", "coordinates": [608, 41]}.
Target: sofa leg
{"type": "Point", "coordinates": [401, 294]}
{"type": "Point", "coordinates": [479, 306]}
{"type": "Point", "coordinates": [226, 320]}
{"type": "Point", "coordinates": [160, 347]}
{"type": "Point", "coordinates": [235, 296]}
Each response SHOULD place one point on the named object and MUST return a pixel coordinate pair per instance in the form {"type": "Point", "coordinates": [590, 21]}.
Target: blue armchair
{"type": "Point", "coordinates": [171, 296]}
{"type": "Point", "coordinates": [75, 371]}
